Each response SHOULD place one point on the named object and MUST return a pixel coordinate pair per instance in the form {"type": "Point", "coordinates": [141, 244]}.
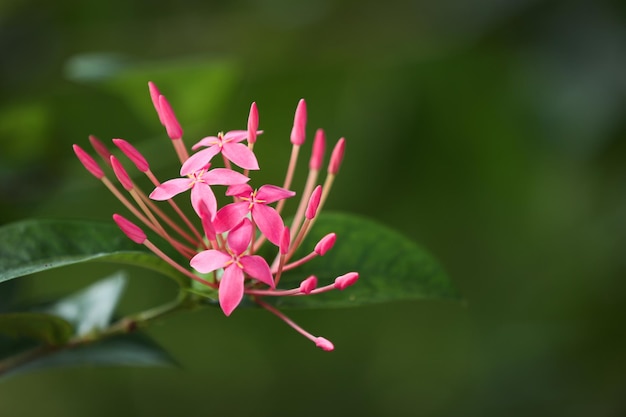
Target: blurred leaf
{"type": "Point", "coordinates": [391, 267]}
{"type": "Point", "coordinates": [42, 327]}
{"type": "Point", "coordinates": [91, 308]}
{"type": "Point", "coordinates": [36, 245]}
{"type": "Point", "coordinates": [123, 350]}
{"type": "Point", "coordinates": [195, 87]}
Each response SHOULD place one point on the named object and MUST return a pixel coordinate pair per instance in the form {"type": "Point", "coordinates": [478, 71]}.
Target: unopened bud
{"type": "Point", "coordinates": [130, 229]}
{"type": "Point", "coordinates": [314, 203]}
{"type": "Point", "coordinates": [324, 344]}
{"type": "Point", "coordinates": [308, 284]}
{"type": "Point", "coordinates": [346, 280]}
{"type": "Point", "coordinates": [133, 154]}
{"type": "Point", "coordinates": [337, 156]}
{"type": "Point", "coordinates": [100, 147]}
{"type": "Point", "coordinates": [298, 132]}
{"type": "Point", "coordinates": [174, 131]}
{"type": "Point", "coordinates": [121, 174]}
{"type": "Point", "coordinates": [88, 162]}
{"type": "Point", "coordinates": [317, 154]}
{"type": "Point", "coordinates": [253, 123]}
{"type": "Point", "coordinates": [325, 244]}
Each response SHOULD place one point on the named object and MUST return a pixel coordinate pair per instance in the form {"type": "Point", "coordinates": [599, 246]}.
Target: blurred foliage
{"type": "Point", "coordinates": [491, 131]}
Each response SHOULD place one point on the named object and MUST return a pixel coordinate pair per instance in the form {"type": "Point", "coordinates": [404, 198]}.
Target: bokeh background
{"type": "Point", "coordinates": [490, 131]}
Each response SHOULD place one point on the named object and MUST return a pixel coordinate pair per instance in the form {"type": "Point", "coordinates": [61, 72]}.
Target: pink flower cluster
{"type": "Point", "coordinates": [222, 253]}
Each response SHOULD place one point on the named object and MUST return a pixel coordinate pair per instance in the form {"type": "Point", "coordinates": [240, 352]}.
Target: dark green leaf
{"type": "Point", "coordinates": [91, 308]}
{"type": "Point", "coordinates": [391, 267]}
{"type": "Point", "coordinates": [123, 350]}
{"type": "Point", "coordinates": [36, 245]}
{"type": "Point", "coordinates": [41, 327]}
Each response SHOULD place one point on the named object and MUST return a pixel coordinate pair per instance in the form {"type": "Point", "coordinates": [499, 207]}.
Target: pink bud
{"type": "Point", "coordinates": [285, 241]}
{"type": "Point", "coordinates": [88, 162]}
{"type": "Point", "coordinates": [308, 284]}
{"type": "Point", "coordinates": [121, 174]}
{"type": "Point", "coordinates": [317, 154]}
{"type": "Point", "coordinates": [298, 132]}
{"type": "Point", "coordinates": [324, 344]}
{"type": "Point", "coordinates": [130, 229]}
{"type": "Point", "coordinates": [337, 156]}
{"type": "Point", "coordinates": [133, 154]}
{"type": "Point", "coordinates": [174, 131]}
{"type": "Point", "coordinates": [100, 147]}
{"type": "Point", "coordinates": [154, 95]}
{"type": "Point", "coordinates": [253, 123]}
{"type": "Point", "coordinates": [346, 280]}
{"type": "Point", "coordinates": [325, 244]}
{"type": "Point", "coordinates": [314, 203]}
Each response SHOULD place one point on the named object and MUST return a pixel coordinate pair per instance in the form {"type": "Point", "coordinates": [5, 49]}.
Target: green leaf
{"type": "Point", "coordinates": [36, 245]}
{"type": "Point", "coordinates": [124, 350]}
{"type": "Point", "coordinates": [41, 327]}
{"type": "Point", "coordinates": [91, 308]}
{"type": "Point", "coordinates": [390, 266]}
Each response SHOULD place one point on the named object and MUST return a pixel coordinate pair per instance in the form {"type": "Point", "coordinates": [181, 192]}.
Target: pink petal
{"type": "Point", "coordinates": [231, 289]}
{"type": "Point", "coordinates": [239, 238]}
{"type": "Point", "coordinates": [207, 224]}
{"type": "Point", "coordinates": [239, 154]}
{"type": "Point", "coordinates": [230, 216]}
{"type": "Point", "coordinates": [206, 142]}
{"type": "Point", "coordinates": [272, 193]}
{"type": "Point", "coordinates": [224, 176]}
{"type": "Point", "coordinates": [285, 241]}
{"type": "Point", "coordinates": [235, 136]}
{"type": "Point", "coordinates": [202, 194]}
{"type": "Point", "coordinates": [170, 188]}
{"type": "Point", "coordinates": [269, 222]}
{"type": "Point", "coordinates": [239, 190]}
{"type": "Point", "coordinates": [209, 260]}
{"type": "Point", "coordinates": [257, 268]}
{"type": "Point", "coordinates": [199, 160]}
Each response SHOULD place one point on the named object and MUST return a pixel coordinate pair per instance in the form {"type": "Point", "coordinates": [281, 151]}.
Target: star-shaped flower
{"type": "Point", "coordinates": [235, 265]}
{"type": "Point", "coordinates": [228, 144]}
{"type": "Point", "coordinates": [256, 203]}
{"type": "Point", "coordinates": [199, 182]}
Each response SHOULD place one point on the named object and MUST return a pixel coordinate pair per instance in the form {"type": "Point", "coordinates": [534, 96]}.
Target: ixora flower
{"type": "Point", "coordinates": [223, 253]}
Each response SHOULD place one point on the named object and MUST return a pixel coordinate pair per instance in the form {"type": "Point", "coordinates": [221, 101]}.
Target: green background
{"type": "Point", "coordinates": [490, 131]}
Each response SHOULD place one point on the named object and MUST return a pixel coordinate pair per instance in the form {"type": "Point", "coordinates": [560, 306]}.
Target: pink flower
{"type": "Point", "coordinates": [255, 202]}
{"type": "Point", "coordinates": [235, 265]}
{"type": "Point", "coordinates": [223, 242]}
{"type": "Point", "coordinates": [200, 184]}
{"type": "Point", "coordinates": [228, 144]}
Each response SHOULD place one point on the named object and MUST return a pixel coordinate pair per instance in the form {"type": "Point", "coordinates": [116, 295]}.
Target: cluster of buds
{"type": "Point", "coordinates": [222, 253]}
